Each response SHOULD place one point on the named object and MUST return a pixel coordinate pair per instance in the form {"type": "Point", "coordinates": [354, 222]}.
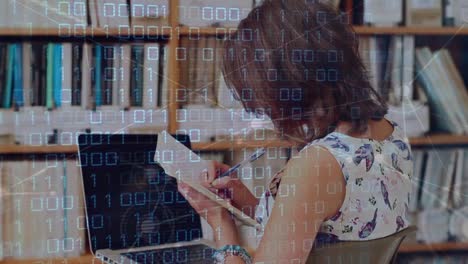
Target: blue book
{"type": "Point", "coordinates": [97, 75]}
{"type": "Point", "coordinates": [18, 99]}
{"type": "Point", "coordinates": [9, 76]}
{"type": "Point", "coordinates": [57, 79]}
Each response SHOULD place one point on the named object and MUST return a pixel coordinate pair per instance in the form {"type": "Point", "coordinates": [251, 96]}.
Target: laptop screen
{"type": "Point", "coordinates": [130, 202]}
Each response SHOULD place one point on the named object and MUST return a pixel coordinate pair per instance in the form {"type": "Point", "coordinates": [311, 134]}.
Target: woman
{"type": "Point", "coordinates": [298, 63]}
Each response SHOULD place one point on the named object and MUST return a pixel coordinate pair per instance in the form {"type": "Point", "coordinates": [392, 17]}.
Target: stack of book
{"type": "Point", "coordinates": [70, 15]}
{"type": "Point", "coordinates": [445, 90]}
{"type": "Point", "coordinates": [440, 181]}
{"type": "Point", "coordinates": [419, 13]}
{"type": "Point", "coordinates": [77, 87]}
{"type": "Point", "coordinates": [42, 209]}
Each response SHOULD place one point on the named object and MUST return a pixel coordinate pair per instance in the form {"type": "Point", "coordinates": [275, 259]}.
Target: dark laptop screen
{"type": "Point", "coordinates": [130, 202]}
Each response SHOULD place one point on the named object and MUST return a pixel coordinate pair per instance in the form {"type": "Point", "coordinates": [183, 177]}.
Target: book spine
{"type": "Point", "coordinates": [50, 76]}
{"type": "Point", "coordinates": [77, 54]}
{"type": "Point", "coordinates": [57, 75]}
{"type": "Point", "coordinates": [18, 77]}
{"type": "Point", "coordinates": [97, 76]}
{"type": "Point", "coordinates": [3, 65]}
{"type": "Point", "coordinates": [9, 76]}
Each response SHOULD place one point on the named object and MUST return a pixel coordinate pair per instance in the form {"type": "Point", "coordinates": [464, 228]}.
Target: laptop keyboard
{"type": "Point", "coordinates": [197, 254]}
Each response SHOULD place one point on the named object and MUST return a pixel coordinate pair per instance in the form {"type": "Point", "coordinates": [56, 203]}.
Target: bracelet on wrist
{"type": "Point", "coordinates": [221, 254]}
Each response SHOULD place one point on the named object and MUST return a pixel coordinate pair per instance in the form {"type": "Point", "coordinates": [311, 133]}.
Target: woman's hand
{"type": "Point", "coordinates": [217, 217]}
{"type": "Point", "coordinates": [230, 188]}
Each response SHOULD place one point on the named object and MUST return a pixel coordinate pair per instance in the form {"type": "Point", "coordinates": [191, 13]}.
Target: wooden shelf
{"type": "Point", "coordinates": [439, 247]}
{"type": "Point", "coordinates": [222, 146]}
{"type": "Point", "coordinates": [153, 32]}
{"type": "Point", "coordinates": [23, 149]}
{"type": "Point", "coordinates": [434, 140]}
{"type": "Point", "coordinates": [360, 30]}
{"type": "Point", "coordinates": [123, 33]}
{"type": "Point", "coordinates": [449, 31]}
{"type": "Point", "coordinates": [85, 259]}
{"type": "Point", "coordinates": [428, 141]}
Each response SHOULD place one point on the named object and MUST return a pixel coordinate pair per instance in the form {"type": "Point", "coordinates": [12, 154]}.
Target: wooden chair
{"type": "Point", "coordinates": [377, 251]}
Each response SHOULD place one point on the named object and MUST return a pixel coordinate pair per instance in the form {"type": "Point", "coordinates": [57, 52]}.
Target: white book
{"type": "Point", "coordinates": [383, 13]}
{"type": "Point", "coordinates": [424, 13]}
{"type": "Point", "coordinates": [373, 64]}
{"type": "Point", "coordinates": [447, 178]}
{"type": "Point", "coordinates": [430, 186]}
{"type": "Point", "coordinates": [124, 76]}
{"type": "Point", "coordinates": [103, 17]}
{"type": "Point", "coordinates": [465, 178]}
{"type": "Point", "coordinates": [457, 194]}
{"type": "Point", "coordinates": [93, 13]}
{"type": "Point", "coordinates": [451, 93]}
{"type": "Point", "coordinates": [67, 69]}
{"type": "Point", "coordinates": [418, 160]}
{"type": "Point", "coordinates": [397, 71]}
{"type": "Point", "coordinates": [186, 166]}
{"type": "Point", "coordinates": [408, 67]}
{"type": "Point", "coordinates": [74, 211]}
{"type": "Point", "coordinates": [8, 9]}
{"type": "Point", "coordinates": [151, 76]}
{"type": "Point", "coordinates": [166, 79]}
{"type": "Point", "coordinates": [437, 179]}
{"type": "Point", "coordinates": [461, 12]}
{"type": "Point", "coordinates": [446, 118]}
{"type": "Point", "coordinates": [458, 83]}
{"type": "Point", "coordinates": [87, 71]}
{"type": "Point", "coordinates": [8, 209]}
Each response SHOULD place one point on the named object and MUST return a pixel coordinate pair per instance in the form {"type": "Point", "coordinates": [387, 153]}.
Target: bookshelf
{"type": "Point", "coordinates": [178, 31]}
{"type": "Point", "coordinates": [433, 140]}
{"type": "Point", "coordinates": [172, 34]}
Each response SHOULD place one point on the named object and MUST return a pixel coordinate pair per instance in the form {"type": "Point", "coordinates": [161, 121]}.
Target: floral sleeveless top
{"type": "Point", "coordinates": [378, 187]}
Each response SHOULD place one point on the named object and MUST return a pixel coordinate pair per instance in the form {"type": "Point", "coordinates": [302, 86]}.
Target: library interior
{"type": "Point", "coordinates": [102, 100]}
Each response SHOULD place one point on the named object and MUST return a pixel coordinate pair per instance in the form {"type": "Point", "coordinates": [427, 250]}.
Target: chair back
{"type": "Point", "coordinates": [376, 251]}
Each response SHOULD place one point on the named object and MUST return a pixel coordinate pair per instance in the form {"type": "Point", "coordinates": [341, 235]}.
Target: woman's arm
{"type": "Point", "coordinates": [312, 190]}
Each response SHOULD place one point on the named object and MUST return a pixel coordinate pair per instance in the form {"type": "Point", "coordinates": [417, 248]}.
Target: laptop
{"type": "Point", "coordinates": [134, 211]}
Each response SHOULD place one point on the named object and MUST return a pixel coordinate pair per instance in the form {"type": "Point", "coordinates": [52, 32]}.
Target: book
{"type": "Point", "coordinates": [27, 77]}
{"type": "Point", "coordinates": [460, 12]}
{"type": "Point", "coordinates": [76, 73]}
{"type": "Point", "coordinates": [50, 77]}
{"type": "Point", "coordinates": [424, 13]}
{"type": "Point", "coordinates": [125, 75]}
{"type": "Point", "coordinates": [408, 77]}
{"type": "Point", "coordinates": [136, 77]}
{"type": "Point", "coordinates": [7, 91]}
{"type": "Point", "coordinates": [437, 178]}
{"type": "Point", "coordinates": [443, 118]}
{"type": "Point", "coordinates": [66, 78]}
{"type": "Point", "coordinates": [383, 13]}
{"type": "Point", "coordinates": [86, 76]}
{"type": "Point", "coordinates": [96, 83]}
{"type": "Point", "coordinates": [18, 99]}
{"type": "Point", "coordinates": [181, 163]}
{"type": "Point", "coordinates": [57, 75]}
{"type": "Point", "coordinates": [459, 181]}
{"type": "Point", "coordinates": [151, 76]}
{"type": "Point", "coordinates": [418, 163]}
{"type": "Point", "coordinates": [453, 93]}
{"type": "Point", "coordinates": [449, 13]}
